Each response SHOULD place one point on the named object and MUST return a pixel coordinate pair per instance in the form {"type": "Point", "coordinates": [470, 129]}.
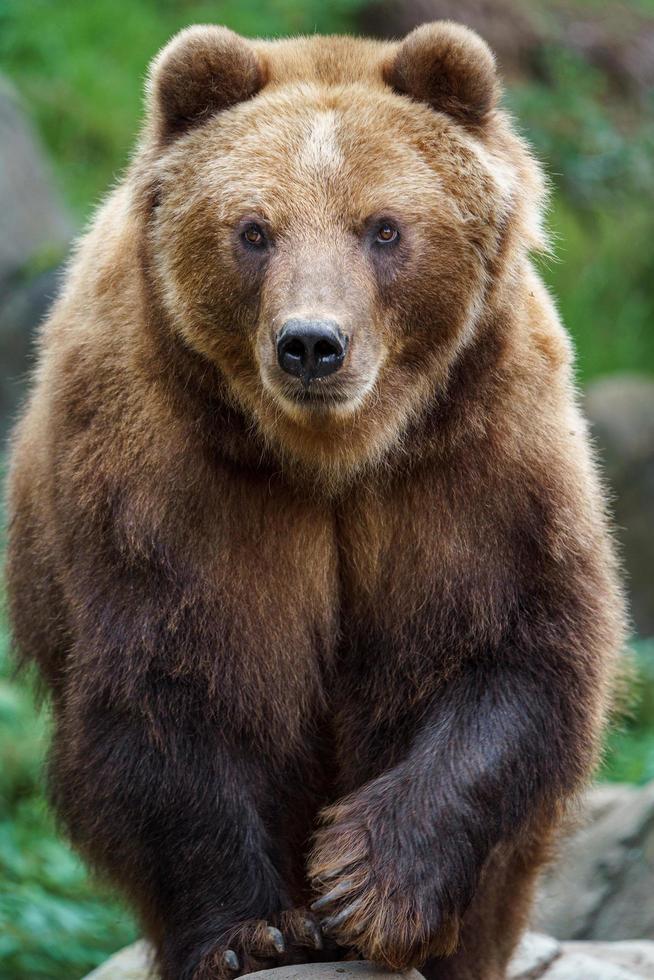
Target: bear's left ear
{"type": "Point", "coordinates": [203, 70]}
{"type": "Point", "coordinates": [449, 67]}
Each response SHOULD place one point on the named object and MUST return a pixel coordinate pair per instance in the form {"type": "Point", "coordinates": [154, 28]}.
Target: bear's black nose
{"type": "Point", "coordinates": [310, 349]}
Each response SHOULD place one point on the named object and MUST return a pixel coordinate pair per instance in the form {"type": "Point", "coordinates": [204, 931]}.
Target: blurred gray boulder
{"type": "Point", "coordinates": [31, 214]}
{"type": "Point", "coordinates": [602, 886]}
{"type": "Point", "coordinates": [23, 304]}
{"type": "Point", "coordinates": [35, 232]}
{"type": "Point", "coordinates": [621, 412]}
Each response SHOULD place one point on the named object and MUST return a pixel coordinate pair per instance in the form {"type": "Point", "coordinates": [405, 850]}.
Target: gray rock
{"type": "Point", "coordinates": [579, 966]}
{"type": "Point", "coordinates": [355, 970]}
{"type": "Point", "coordinates": [24, 304]}
{"type": "Point", "coordinates": [617, 39]}
{"type": "Point", "coordinates": [635, 957]}
{"type": "Point", "coordinates": [31, 214]}
{"type": "Point", "coordinates": [602, 886]}
{"type": "Point", "coordinates": [540, 957]}
{"type": "Point", "coordinates": [132, 963]}
{"type": "Point", "coordinates": [533, 955]}
{"type": "Point", "coordinates": [621, 412]}
{"type": "Point", "coordinates": [35, 231]}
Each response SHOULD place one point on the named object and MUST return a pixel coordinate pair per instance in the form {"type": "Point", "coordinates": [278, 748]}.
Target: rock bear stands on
{"type": "Point", "coordinates": [306, 538]}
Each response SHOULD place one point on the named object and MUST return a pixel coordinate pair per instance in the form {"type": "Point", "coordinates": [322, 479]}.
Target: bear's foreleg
{"type": "Point", "coordinates": [172, 815]}
{"type": "Point", "coordinates": [398, 862]}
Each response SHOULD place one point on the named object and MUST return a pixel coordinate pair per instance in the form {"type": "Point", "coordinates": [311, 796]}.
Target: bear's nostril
{"type": "Point", "coordinates": [295, 348]}
{"type": "Point", "coordinates": [324, 348]}
{"type": "Point", "coordinates": [310, 349]}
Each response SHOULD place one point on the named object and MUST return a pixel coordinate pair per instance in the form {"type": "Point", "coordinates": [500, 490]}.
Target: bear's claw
{"type": "Point", "coordinates": [341, 889]}
{"type": "Point", "coordinates": [334, 921]}
{"type": "Point", "coordinates": [276, 938]}
{"type": "Point", "coordinates": [258, 945]}
{"type": "Point", "coordinates": [312, 933]}
{"type": "Point", "coordinates": [230, 959]}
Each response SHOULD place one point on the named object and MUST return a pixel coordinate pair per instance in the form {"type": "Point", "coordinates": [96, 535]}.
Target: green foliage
{"type": "Point", "coordinates": [603, 282]}
{"type": "Point", "coordinates": [598, 151]}
{"type": "Point", "coordinates": [55, 922]}
{"type": "Point", "coordinates": [630, 750]}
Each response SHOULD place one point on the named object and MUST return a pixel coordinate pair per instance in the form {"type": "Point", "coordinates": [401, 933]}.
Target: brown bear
{"type": "Point", "coordinates": [306, 537]}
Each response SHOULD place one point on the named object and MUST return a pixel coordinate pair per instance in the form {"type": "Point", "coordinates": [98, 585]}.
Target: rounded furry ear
{"type": "Point", "coordinates": [201, 71]}
{"type": "Point", "coordinates": [449, 67]}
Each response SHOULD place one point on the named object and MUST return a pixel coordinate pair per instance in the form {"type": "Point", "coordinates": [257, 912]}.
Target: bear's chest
{"type": "Point", "coordinates": [418, 562]}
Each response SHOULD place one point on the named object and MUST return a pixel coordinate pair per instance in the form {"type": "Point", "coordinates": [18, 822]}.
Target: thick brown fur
{"type": "Point", "coordinates": [355, 644]}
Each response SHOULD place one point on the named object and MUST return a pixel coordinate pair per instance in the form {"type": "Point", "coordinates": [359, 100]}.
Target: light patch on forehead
{"type": "Point", "coordinates": [321, 150]}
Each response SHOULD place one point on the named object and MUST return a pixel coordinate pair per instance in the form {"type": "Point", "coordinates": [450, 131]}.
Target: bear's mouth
{"type": "Point", "coordinates": [308, 396]}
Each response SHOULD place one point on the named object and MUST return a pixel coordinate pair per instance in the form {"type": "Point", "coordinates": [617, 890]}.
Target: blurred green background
{"type": "Point", "coordinates": [586, 106]}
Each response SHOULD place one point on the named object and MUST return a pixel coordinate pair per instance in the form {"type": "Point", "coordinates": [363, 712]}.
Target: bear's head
{"type": "Point", "coordinates": [328, 220]}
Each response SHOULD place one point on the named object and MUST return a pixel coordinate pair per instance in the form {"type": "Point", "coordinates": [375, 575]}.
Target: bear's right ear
{"type": "Point", "coordinates": [449, 67]}
{"type": "Point", "coordinates": [201, 71]}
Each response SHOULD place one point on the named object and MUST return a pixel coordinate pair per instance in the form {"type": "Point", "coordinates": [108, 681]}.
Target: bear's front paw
{"type": "Point", "coordinates": [378, 894]}
{"type": "Point", "coordinates": [292, 937]}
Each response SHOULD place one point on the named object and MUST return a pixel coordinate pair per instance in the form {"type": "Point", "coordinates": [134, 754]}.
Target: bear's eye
{"type": "Point", "coordinates": [386, 234]}
{"type": "Point", "coordinates": [254, 236]}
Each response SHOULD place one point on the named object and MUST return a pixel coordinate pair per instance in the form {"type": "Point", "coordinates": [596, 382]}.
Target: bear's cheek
{"type": "Point", "coordinates": [209, 299]}
{"type": "Point", "coordinates": [432, 304]}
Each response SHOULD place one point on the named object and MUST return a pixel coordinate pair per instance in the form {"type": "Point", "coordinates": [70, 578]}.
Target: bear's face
{"type": "Point", "coordinates": [326, 246]}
